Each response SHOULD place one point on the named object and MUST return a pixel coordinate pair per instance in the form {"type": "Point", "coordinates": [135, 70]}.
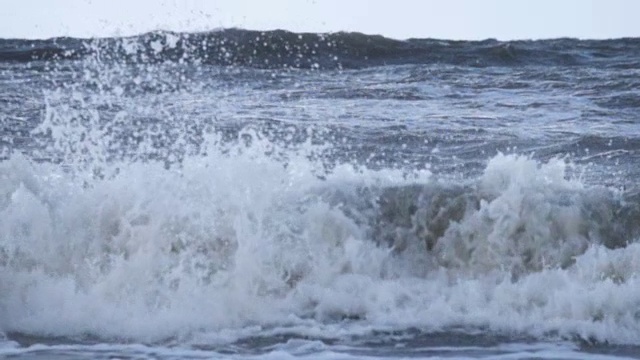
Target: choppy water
{"type": "Point", "coordinates": [240, 194]}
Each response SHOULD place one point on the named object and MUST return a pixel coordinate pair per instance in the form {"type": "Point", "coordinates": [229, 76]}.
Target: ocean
{"type": "Point", "coordinates": [238, 194]}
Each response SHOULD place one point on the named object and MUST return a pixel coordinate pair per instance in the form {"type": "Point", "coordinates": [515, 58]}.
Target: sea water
{"type": "Point", "coordinates": [271, 195]}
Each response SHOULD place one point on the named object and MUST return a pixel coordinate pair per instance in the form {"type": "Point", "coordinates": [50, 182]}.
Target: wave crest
{"type": "Point", "coordinates": [279, 49]}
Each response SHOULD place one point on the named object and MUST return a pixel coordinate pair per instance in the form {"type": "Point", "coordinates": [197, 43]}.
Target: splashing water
{"type": "Point", "coordinates": [173, 203]}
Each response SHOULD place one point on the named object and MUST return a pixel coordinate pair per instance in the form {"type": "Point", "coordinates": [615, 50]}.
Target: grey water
{"type": "Point", "coordinates": [241, 194]}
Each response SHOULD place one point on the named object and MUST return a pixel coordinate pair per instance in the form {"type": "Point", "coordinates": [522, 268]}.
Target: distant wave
{"type": "Point", "coordinates": [284, 49]}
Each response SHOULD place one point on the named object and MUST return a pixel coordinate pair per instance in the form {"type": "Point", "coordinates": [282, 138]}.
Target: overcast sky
{"type": "Point", "coordinates": [446, 19]}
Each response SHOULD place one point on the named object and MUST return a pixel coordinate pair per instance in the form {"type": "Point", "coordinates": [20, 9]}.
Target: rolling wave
{"type": "Point", "coordinates": [237, 239]}
{"type": "Point", "coordinates": [283, 49]}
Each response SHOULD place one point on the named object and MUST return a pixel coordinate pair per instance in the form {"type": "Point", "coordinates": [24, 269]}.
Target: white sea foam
{"type": "Point", "coordinates": [236, 243]}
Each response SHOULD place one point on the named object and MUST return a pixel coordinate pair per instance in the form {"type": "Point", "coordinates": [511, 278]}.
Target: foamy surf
{"type": "Point", "coordinates": [239, 240]}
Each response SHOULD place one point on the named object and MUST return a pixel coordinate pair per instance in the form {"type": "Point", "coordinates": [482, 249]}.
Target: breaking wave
{"type": "Point", "coordinates": [238, 241]}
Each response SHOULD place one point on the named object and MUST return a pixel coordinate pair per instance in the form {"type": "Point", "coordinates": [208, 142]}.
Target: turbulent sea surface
{"type": "Point", "coordinates": [273, 195]}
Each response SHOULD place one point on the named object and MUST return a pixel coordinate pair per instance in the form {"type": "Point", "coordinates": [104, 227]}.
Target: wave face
{"type": "Point", "coordinates": [179, 190]}
{"type": "Point", "coordinates": [282, 49]}
{"type": "Point", "coordinates": [237, 240]}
